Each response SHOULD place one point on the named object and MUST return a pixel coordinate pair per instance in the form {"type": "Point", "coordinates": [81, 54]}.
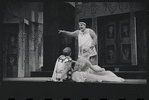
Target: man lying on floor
{"type": "Point", "coordinates": [83, 70]}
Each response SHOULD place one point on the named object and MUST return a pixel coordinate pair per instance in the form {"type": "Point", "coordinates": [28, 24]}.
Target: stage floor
{"type": "Point", "coordinates": [46, 79]}
{"type": "Point", "coordinates": [36, 87]}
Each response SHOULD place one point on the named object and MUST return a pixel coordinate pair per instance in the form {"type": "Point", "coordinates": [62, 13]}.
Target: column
{"type": "Point", "coordinates": [76, 27]}
{"type": "Point", "coordinates": [133, 36]}
{"type": "Point", "coordinates": [21, 45]}
{"type": "Point", "coordinates": [94, 27]}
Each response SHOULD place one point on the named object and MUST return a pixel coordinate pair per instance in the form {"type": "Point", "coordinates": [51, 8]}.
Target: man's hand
{"type": "Point", "coordinates": [60, 31]}
{"type": "Point", "coordinates": [73, 61]}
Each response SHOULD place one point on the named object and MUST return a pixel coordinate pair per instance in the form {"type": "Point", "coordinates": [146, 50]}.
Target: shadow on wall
{"type": "Point", "coordinates": [67, 22]}
{"type": "Point", "coordinates": [59, 15]}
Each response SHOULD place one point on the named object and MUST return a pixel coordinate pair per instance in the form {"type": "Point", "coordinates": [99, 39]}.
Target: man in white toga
{"type": "Point", "coordinates": [86, 38]}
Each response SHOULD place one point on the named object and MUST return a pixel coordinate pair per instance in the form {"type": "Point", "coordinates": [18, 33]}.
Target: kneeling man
{"type": "Point", "coordinates": [62, 66]}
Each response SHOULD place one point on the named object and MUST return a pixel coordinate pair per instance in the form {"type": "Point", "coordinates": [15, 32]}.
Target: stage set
{"type": "Point", "coordinates": [32, 45]}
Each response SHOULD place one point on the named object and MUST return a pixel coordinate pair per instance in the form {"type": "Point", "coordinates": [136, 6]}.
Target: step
{"type": "Point", "coordinates": [41, 73]}
{"type": "Point", "coordinates": [123, 74]}
{"type": "Point", "coordinates": [132, 74]}
{"type": "Point", "coordinates": [125, 67]}
{"type": "Point", "coordinates": [39, 88]}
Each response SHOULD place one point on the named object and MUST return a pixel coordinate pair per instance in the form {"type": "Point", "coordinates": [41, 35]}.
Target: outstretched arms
{"type": "Point", "coordinates": [74, 33]}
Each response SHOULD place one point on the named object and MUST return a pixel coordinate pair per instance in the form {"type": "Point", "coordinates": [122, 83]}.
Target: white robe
{"type": "Point", "coordinates": [85, 40]}
{"type": "Point", "coordinates": [85, 74]}
{"type": "Point", "coordinates": [60, 66]}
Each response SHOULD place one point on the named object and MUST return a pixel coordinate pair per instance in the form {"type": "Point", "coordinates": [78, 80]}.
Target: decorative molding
{"type": "Point", "coordinates": [112, 7]}
{"type": "Point", "coordinates": [93, 9]}
{"type": "Point", "coordinates": [9, 18]}
{"type": "Point", "coordinates": [82, 10]}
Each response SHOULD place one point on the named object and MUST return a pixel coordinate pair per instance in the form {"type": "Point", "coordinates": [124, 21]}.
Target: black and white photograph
{"type": "Point", "coordinates": [65, 50]}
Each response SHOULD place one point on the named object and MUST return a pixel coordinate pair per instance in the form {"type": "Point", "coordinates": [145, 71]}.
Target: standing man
{"type": "Point", "coordinates": [86, 38]}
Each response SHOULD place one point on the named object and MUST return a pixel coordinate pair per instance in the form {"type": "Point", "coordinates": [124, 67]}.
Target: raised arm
{"type": "Point", "coordinates": [94, 37]}
{"type": "Point", "coordinates": [74, 33]}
